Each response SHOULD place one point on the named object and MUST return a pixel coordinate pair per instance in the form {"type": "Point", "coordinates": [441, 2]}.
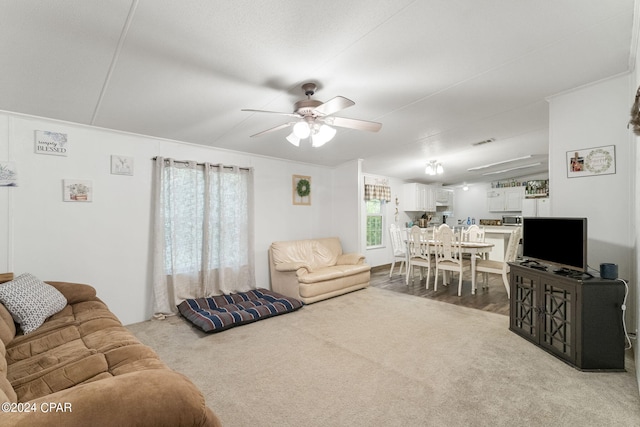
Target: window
{"type": "Point", "coordinates": [375, 222]}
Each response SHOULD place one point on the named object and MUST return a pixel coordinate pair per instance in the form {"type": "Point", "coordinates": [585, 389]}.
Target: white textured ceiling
{"type": "Point", "coordinates": [438, 74]}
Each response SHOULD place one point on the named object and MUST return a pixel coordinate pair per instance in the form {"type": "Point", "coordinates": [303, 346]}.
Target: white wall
{"type": "Point", "coordinates": [6, 201]}
{"type": "Point", "coordinates": [473, 203]}
{"type": "Point", "coordinates": [106, 243]}
{"type": "Point", "coordinates": [346, 196]}
{"type": "Point", "coordinates": [594, 116]}
{"type": "Point", "coordinates": [635, 140]}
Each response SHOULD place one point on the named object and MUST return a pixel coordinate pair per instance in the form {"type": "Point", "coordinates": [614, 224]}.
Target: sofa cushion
{"type": "Point", "coordinates": [7, 326]}
{"type": "Point", "coordinates": [217, 313]}
{"type": "Point", "coordinates": [7, 394]}
{"type": "Point", "coordinates": [30, 301]}
{"type": "Point", "coordinates": [313, 253]}
{"type": "Point", "coordinates": [330, 287]}
{"type": "Point", "coordinates": [334, 272]}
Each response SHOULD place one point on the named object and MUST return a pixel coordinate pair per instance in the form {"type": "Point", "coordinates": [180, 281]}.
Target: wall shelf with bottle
{"type": "Point", "coordinates": [537, 188]}
{"type": "Point", "coordinates": [508, 183]}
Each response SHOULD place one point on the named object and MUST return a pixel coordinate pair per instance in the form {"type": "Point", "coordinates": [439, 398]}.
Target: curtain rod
{"type": "Point", "coordinates": [202, 164]}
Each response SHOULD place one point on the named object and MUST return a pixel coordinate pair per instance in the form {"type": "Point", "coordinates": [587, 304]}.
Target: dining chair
{"type": "Point", "coordinates": [448, 255]}
{"type": "Point", "coordinates": [473, 234]}
{"type": "Point", "coordinates": [399, 248]}
{"type": "Point", "coordinates": [420, 254]}
{"type": "Point", "coordinates": [486, 266]}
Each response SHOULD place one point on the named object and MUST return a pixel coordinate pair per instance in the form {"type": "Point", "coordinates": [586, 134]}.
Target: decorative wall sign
{"type": "Point", "coordinates": [121, 165]}
{"type": "Point", "coordinates": [301, 190]}
{"type": "Point", "coordinates": [591, 161]}
{"type": "Point", "coordinates": [52, 143]}
{"type": "Point", "coordinates": [8, 174]}
{"type": "Point", "coordinates": [77, 190]}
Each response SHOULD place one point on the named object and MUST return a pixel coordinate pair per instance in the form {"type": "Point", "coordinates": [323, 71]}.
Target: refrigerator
{"type": "Point", "coordinates": [536, 207]}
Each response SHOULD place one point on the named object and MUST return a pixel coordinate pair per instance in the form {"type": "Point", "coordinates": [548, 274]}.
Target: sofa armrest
{"type": "Point", "coordinates": [292, 266]}
{"type": "Point", "coordinates": [350, 259]}
{"type": "Point", "coordinates": [75, 292]}
{"type": "Point", "coordinates": [155, 397]}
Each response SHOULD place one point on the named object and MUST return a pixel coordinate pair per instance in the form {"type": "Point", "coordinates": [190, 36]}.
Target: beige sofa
{"type": "Point", "coordinates": [81, 367]}
{"type": "Point", "coordinates": [316, 269]}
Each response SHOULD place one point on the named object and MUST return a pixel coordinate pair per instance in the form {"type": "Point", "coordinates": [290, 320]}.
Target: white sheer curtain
{"type": "Point", "coordinates": [203, 231]}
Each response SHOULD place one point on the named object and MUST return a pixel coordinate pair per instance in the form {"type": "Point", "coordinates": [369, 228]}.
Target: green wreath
{"type": "Point", "coordinates": [303, 188]}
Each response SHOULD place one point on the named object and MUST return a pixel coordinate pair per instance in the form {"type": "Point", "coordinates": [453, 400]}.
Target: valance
{"type": "Point", "coordinates": [377, 192]}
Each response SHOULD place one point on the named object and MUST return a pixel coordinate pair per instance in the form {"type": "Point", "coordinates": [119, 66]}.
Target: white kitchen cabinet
{"type": "Point", "coordinates": [418, 198]}
{"type": "Point", "coordinates": [495, 200]}
{"type": "Point", "coordinates": [513, 198]}
{"type": "Point", "coordinates": [507, 199]}
{"type": "Point", "coordinates": [444, 198]}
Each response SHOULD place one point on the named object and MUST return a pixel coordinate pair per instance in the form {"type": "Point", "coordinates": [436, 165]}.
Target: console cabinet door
{"type": "Point", "coordinates": [558, 327]}
{"type": "Point", "coordinates": [524, 305]}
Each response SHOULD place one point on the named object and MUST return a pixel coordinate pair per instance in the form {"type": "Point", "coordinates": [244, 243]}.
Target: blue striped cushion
{"type": "Point", "coordinates": [222, 312]}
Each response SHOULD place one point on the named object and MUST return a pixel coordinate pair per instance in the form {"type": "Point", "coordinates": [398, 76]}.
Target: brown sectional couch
{"type": "Point", "coordinates": [83, 368]}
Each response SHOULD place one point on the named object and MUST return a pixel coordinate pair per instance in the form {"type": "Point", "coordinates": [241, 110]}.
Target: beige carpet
{"type": "Point", "coordinates": [379, 358]}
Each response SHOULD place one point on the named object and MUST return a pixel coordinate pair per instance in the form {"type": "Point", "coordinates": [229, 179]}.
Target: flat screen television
{"type": "Point", "coordinates": [560, 241]}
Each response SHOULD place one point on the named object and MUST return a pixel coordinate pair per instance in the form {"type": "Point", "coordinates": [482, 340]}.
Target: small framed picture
{"type": "Point", "coordinates": [76, 190]}
{"type": "Point", "coordinates": [51, 143]}
{"type": "Point", "coordinates": [591, 161]}
{"type": "Point", "coordinates": [301, 190]}
{"type": "Point", "coordinates": [8, 174]}
{"type": "Point", "coordinates": [121, 165]}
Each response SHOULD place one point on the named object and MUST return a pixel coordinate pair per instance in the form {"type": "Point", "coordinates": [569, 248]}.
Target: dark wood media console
{"type": "Point", "coordinates": [578, 320]}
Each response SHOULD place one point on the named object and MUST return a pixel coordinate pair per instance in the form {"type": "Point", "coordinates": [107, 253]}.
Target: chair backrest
{"type": "Point", "coordinates": [447, 244]}
{"type": "Point", "coordinates": [397, 243]}
{"type": "Point", "coordinates": [418, 247]}
{"type": "Point", "coordinates": [473, 234]}
{"type": "Point", "coordinates": [512, 246]}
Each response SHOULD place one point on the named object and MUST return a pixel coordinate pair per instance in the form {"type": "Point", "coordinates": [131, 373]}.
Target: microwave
{"type": "Point", "coordinates": [511, 220]}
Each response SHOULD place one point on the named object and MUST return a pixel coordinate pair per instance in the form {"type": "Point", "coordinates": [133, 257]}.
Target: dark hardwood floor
{"type": "Point", "coordinates": [493, 299]}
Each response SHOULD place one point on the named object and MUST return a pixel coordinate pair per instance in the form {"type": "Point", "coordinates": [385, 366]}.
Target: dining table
{"type": "Point", "coordinates": [471, 248]}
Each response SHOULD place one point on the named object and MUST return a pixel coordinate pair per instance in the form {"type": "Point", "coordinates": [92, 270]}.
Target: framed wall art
{"type": "Point", "coordinates": [591, 161]}
{"type": "Point", "coordinates": [121, 165]}
{"type": "Point", "coordinates": [51, 143]}
{"type": "Point", "coordinates": [8, 174]}
{"type": "Point", "coordinates": [76, 190]}
{"type": "Point", "coordinates": [301, 190]}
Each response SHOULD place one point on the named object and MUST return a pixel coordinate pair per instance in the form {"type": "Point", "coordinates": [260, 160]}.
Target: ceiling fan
{"type": "Point", "coordinates": [315, 119]}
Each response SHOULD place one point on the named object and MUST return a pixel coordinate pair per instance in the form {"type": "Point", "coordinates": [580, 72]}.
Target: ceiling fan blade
{"type": "Point", "coordinates": [272, 112]}
{"type": "Point", "coordinates": [353, 123]}
{"type": "Point", "coordinates": [334, 105]}
{"type": "Point", "coordinates": [282, 126]}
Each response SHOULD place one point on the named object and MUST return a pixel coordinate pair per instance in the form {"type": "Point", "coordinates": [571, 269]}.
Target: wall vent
{"type": "Point", "coordinates": [486, 141]}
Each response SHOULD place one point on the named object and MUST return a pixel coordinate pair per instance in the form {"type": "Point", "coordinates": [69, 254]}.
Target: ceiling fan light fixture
{"type": "Point", "coordinates": [322, 136]}
{"type": "Point", "coordinates": [434, 168]}
{"type": "Point", "coordinates": [301, 130]}
{"type": "Point", "coordinates": [293, 139]}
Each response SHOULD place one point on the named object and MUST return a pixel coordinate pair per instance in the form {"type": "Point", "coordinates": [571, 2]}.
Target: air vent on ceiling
{"type": "Point", "coordinates": [486, 141]}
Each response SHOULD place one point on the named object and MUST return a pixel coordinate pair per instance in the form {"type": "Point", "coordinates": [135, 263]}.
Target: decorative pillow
{"type": "Point", "coordinates": [31, 301]}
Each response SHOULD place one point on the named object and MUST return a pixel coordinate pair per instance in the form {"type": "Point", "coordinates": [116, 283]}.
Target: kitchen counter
{"type": "Point", "coordinates": [506, 229]}
{"type": "Point", "coordinates": [499, 236]}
